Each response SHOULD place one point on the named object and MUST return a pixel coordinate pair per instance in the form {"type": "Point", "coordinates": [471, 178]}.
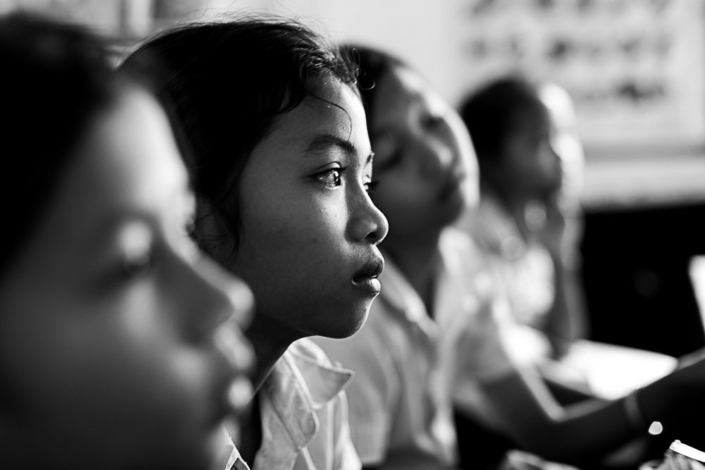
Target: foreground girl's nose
{"type": "Point", "coordinates": [368, 223]}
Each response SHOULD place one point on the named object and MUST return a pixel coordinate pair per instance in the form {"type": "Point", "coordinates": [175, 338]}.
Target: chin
{"type": "Point", "coordinates": [352, 324]}
{"type": "Point", "coordinates": [452, 212]}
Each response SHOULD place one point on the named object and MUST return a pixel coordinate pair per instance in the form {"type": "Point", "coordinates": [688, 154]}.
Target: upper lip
{"type": "Point", "coordinates": [371, 270]}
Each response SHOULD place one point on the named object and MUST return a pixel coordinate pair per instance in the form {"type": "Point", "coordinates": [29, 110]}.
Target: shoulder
{"type": "Point", "coordinates": [466, 261]}
{"type": "Point", "coordinates": [455, 240]}
{"type": "Point", "coordinates": [492, 228]}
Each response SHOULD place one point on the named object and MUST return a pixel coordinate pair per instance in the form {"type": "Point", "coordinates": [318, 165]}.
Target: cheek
{"type": "Point", "coordinates": [92, 363]}
{"type": "Point", "coordinates": [282, 240]}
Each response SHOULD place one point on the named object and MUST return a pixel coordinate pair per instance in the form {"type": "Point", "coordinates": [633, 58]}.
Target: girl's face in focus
{"type": "Point", "coordinates": [111, 342]}
{"type": "Point", "coordinates": [309, 231]}
{"type": "Point", "coordinates": [423, 156]}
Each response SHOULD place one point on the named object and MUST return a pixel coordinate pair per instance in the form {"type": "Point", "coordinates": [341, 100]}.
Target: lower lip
{"type": "Point", "coordinates": [369, 284]}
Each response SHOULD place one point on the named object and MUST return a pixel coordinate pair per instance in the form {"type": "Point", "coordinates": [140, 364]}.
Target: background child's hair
{"type": "Point", "coordinates": [54, 78]}
{"type": "Point", "coordinates": [493, 111]}
{"type": "Point", "coordinates": [223, 85]}
{"type": "Point", "coordinates": [373, 65]}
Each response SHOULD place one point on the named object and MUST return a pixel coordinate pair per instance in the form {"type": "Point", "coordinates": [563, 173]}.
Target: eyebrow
{"type": "Point", "coordinates": [326, 141]}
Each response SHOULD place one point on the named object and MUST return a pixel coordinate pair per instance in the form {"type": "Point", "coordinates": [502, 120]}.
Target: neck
{"type": "Point", "coordinates": [515, 205]}
{"type": "Point", "coordinates": [415, 258]}
{"type": "Point", "coordinates": [269, 341]}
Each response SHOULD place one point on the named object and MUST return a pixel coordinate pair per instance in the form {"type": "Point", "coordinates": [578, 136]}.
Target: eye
{"type": "Point", "coordinates": [432, 121]}
{"type": "Point", "coordinates": [137, 251]}
{"type": "Point", "coordinates": [188, 247]}
{"type": "Point", "coordinates": [190, 228]}
{"type": "Point", "coordinates": [136, 264]}
{"type": "Point", "coordinates": [186, 242]}
{"type": "Point", "coordinates": [331, 178]}
{"type": "Point", "coordinates": [371, 186]}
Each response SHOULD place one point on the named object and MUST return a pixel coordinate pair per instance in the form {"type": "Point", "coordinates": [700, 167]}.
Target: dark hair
{"type": "Point", "coordinates": [491, 112]}
{"type": "Point", "coordinates": [373, 65]}
{"type": "Point", "coordinates": [223, 85]}
{"type": "Point", "coordinates": [54, 78]}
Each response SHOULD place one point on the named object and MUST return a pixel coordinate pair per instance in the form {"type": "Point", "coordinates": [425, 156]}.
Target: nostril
{"type": "Point", "coordinates": [381, 230]}
{"type": "Point", "coordinates": [367, 223]}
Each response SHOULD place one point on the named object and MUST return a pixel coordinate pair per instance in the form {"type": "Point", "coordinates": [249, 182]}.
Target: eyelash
{"type": "Point", "coordinates": [370, 186]}
{"type": "Point", "coordinates": [337, 174]}
{"type": "Point", "coordinates": [189, 227]}
{"type": "Point", "coordinates": [433, 121]}
{"type": "Point", "coordinates": [137, 265]}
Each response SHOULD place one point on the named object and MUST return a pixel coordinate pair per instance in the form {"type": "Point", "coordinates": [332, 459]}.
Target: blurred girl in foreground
{"type": "Point", "coordinates": [118, 350]}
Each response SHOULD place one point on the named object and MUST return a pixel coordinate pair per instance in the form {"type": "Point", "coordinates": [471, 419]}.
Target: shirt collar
{"type": "Point", "coordinates": [302, 382]}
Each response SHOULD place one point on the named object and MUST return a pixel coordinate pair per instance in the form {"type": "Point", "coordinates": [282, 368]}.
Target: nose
{"type": "Point", "coordinates": [367, 223]}
{"type": "Point", "coordinates": [227, 293]}
{"type": "Point", "coordinates": [220, 307]}
{"type": "Point", "coordinates": [225, 304]}
{"type": "Point", "coordinates": [556, 157]}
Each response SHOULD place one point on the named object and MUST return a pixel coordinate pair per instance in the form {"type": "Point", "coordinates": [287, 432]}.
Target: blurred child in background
{"type": "Point", "coordinates": [118, 346]}
{"type": "Point", "coordinates": [529, 225]}
{"type": "Point", "coordinates": [438, 335]}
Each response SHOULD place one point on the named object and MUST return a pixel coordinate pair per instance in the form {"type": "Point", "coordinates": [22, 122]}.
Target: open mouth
{"type": "Point", "coordinates": [367, 277]}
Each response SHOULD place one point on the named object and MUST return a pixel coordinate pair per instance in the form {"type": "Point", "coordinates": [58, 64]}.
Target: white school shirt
{"type": "Point", "coordinates": [525, 279]}
{"type": "Point", "coordinates": [407, 373]}
{"type": "Point", "coordinates": [304, 415]}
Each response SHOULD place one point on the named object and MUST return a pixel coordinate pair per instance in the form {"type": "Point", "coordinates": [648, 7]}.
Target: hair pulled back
{"type": "Point", "coordinates": [224, 84]}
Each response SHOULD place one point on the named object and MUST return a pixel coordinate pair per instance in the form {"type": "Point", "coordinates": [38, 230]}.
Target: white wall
{"type": "Point", "coordinates": [422, 32]}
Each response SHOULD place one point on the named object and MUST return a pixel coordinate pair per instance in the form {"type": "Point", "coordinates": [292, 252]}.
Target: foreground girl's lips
{"type": "Point", "coordinates": [367, 277]}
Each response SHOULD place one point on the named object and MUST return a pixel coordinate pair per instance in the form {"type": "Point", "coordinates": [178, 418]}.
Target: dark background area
{"type": "Point", "coordinates": [635, 272]}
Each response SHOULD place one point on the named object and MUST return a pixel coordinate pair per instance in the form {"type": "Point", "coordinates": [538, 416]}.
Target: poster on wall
{"type": "Point", "coordinates": [635, 68]}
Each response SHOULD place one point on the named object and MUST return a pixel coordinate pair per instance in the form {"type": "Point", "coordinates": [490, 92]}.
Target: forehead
{"type": "Point", "coordinates": [333, 108]}
{"type": "Point", "coordinates": [129, 157]}
{"type": "Point", "coordinates": [558, 102]}
{"type": "Point", "coordinates": [401, 89]}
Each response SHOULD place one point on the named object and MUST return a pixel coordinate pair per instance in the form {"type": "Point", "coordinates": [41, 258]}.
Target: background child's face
{"type": "Point", "coordinates": [565, 138]}
{"type": "Point", "coordinates": [529, 163]}
{"type": "Point", "coordinates": [423, 156]}
{"type": "Point", "coordinates": [308, 227]}
{"type": "Point", "coordinates": [108, 348]}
